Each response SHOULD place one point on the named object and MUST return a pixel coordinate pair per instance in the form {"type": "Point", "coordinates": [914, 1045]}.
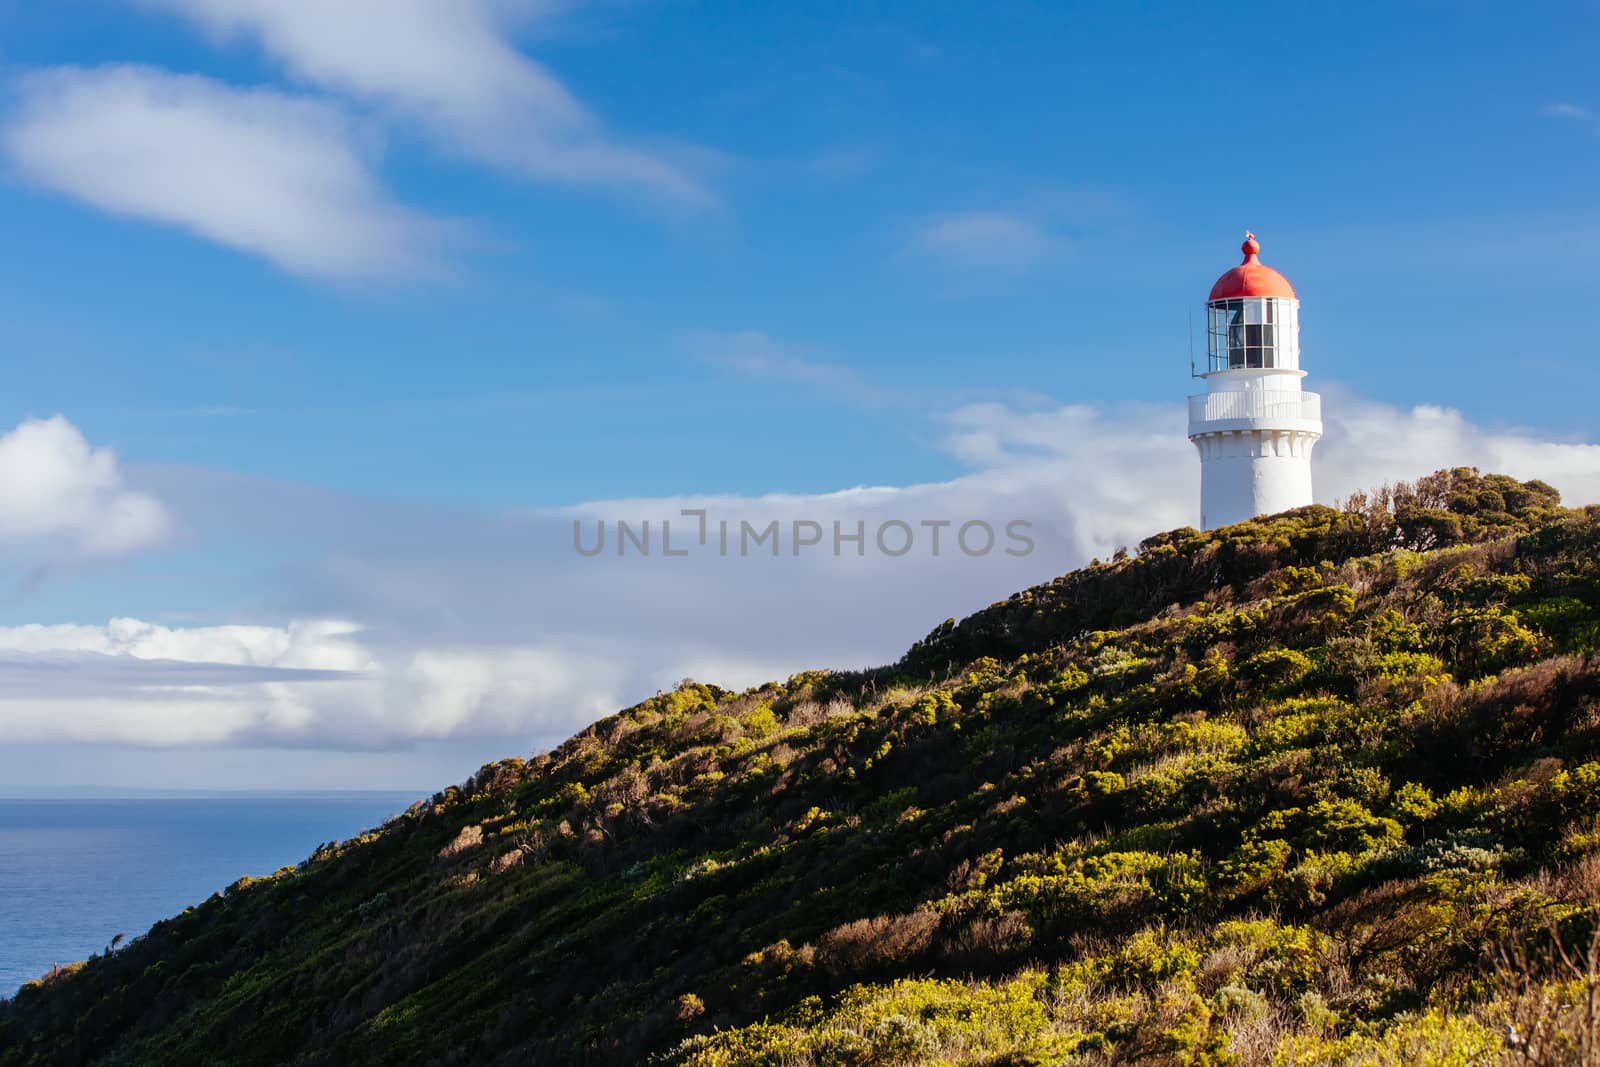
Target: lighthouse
{"type": "Point", "coordinates": [1254, 425]}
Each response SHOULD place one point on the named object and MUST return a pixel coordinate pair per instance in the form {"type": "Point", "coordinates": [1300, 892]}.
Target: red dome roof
{"type": "Point", "coordinates": [1251, 278]}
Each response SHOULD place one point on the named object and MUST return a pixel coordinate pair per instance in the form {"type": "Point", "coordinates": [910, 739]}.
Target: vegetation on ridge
{"type": "Point", "coordinates": [1323, 787]}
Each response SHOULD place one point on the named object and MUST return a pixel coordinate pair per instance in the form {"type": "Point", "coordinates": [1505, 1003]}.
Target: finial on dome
{"type": "Point", "coordinates": [1251, 277]}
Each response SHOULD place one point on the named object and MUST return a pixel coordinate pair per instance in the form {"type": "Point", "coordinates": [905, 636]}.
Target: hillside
{"type": "Point", "coordinates": [1322, 787]}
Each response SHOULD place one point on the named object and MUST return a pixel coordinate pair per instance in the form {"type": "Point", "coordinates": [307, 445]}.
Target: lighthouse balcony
{"type": "Point", "coordinates": [1255, 409]}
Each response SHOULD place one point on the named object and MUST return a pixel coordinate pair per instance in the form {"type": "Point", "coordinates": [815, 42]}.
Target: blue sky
{"type": "Point", "coordinates": [491, 258]}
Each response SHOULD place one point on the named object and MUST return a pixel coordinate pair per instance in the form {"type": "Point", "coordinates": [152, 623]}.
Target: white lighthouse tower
{"type": "Point", "coordinates": [1254, 425]}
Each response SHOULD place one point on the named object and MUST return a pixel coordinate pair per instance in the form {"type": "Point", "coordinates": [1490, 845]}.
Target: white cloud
{"type": "Point", "coordinates": [448, 66]}
{"type": "Point", "coordinates": [987, 239]}
{"type": "Point", "coordinates": [276, 175]}
{"type": "Point", "coordinates": [68, 502]}
{"type": "Point", "coordinates": [482, 625]}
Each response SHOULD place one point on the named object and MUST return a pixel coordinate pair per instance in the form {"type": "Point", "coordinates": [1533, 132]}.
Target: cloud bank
{"type": "Point", "coordinates": [312, 683]}
{"type": "Point", "coordinates": [412, 625]}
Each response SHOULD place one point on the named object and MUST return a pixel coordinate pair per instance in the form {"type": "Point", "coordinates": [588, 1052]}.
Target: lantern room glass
{"type": "Point", "coordinates": [1256, 332]}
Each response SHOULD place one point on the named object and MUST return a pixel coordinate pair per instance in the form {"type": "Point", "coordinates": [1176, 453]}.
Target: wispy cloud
{"type": "Point", "coordinates": [987, 239]}
{"type": "Point", "coordinates": [450, 67]}
{"type": "Point", "coordinates": [755, 354]}
{"type": "Point", "coordinates": [840, 164]}
{"type": "Point", "coordinates": [280, 176]}
{"type": "Point", "coordinates": [1575, 113]}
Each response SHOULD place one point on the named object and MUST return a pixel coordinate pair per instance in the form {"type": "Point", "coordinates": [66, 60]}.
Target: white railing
{"type": "Point", "coordinates": [1255, 404]}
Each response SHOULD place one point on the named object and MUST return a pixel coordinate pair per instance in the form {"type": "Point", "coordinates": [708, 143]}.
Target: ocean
{"type": "Point", "coordinates": [74, 873]}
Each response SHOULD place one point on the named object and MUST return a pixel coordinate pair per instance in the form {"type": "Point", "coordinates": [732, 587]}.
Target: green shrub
{"type": "Point", "coordinates": [1281, 667]}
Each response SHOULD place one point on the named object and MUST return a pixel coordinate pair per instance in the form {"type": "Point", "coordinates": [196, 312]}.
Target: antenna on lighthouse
{"type": "Point", "coordinates": [1192, 374]}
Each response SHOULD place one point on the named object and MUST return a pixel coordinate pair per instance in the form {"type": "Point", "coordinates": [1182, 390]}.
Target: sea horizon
{"type": "Point", "coordinates": [119, 792]}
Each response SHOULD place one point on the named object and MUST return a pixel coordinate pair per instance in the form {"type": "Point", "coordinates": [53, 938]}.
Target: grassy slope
{"type": "Point", "coordinates": [1279, 786]}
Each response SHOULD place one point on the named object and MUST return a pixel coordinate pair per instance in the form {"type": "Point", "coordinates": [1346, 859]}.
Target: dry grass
{"type": "Point", "coordinates": [869, 945]}
{"type": "Point", "coordinates": [469, 837]}
{"type": "Point", "coordinates": [1550, 1007]}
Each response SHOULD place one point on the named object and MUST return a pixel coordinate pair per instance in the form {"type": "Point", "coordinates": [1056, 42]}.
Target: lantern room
{"type": "Point", "coordinates": [1252, 318]}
